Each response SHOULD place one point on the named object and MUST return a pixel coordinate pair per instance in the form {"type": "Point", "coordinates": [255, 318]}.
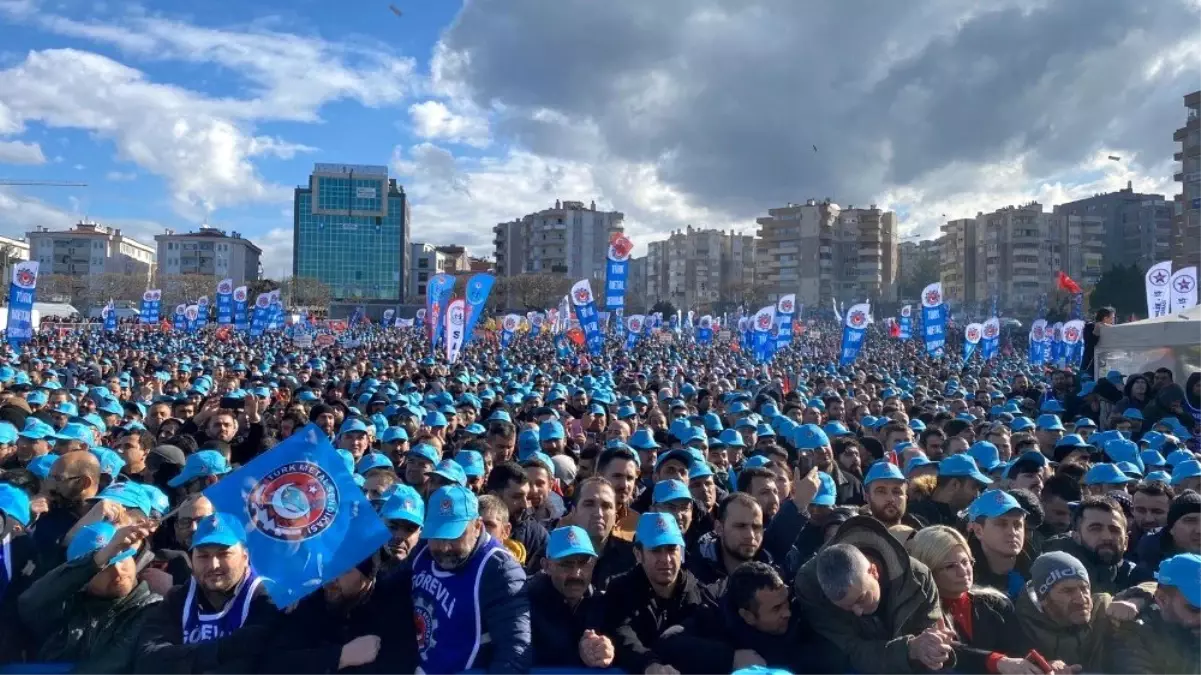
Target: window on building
{"type": "Point", "coordinates": [423, 263]}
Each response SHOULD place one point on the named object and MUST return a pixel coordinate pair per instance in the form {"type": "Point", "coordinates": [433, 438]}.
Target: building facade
{"type": "Point", "coordinates": [1186, 221]}
{"type": "Point", "coordinates": [1136, 228]}
{"type": "Point", "coordinates": [351, 232]}
{"type": "Point", "coordinates": [426, 260]}
{"type": "Point", "coordinates": [209, 252]}
{"type": "Point", "coordinates": [90, 249]}
{"type": "Point", "coordinates": [957, 260]}
{"type": "Point", "coordinates": [569, 240]}
{"type": "Point", "coordinates": [915, 259]}
{"type": "Point", "coordinates": [699, 269]}
{"type": "Point", "coordinates": [822, 252]}
{"type": "Point", "coordinates": [12, 251]}
{"type": "Point", "coordinates": [636, 296]}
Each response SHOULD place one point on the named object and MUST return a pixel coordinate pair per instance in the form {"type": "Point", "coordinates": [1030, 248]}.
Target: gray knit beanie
{"type": "Point", "coordinates": [1052, 568]}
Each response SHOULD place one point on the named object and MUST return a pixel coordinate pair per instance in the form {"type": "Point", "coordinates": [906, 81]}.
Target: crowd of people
{"type": "Point", "coordinates": [671, 508]}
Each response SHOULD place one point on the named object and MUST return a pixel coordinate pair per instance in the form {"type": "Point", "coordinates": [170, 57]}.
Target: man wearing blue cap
{"type": "Point", "coordinates": [19, 567]}
{"type": "Point", "coordinates": [73, 482]}
{"type": "Point", "coordinates": [202, 469]}
{"type": "Point", "coordinates": [997, 537]}
{"type": "Point", "coordinates": [469, 602]}
{"type": "Point", "coordinates": [89, 610]}
{"type": "Point", "coordinates": [959, 482]}
{"type": "Point", "coordinates": [220, 619]}
{"type": "Point", "coordinates": [887, 493]}
{"type": "Point", "coordinates": [404, 513]}
{"type": "Point", "coordinates": [565, 612]}
{"type": "Point", "coordinates": [1165, 636]}
{"type": "Point", "coordinates": [657, 593]}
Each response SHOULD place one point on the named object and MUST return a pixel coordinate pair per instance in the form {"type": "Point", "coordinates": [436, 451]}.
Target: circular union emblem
{"type": "Point", "coordinates": [425, 622]}
{"type": "Point", "coordinates": [764, 321]}
{"type": "Point", "coordinates": [582, 295]}
{"type": "Point", "coordinates": [26, 278]}
{"type": "Point", "coordinates": [786, 306]}
{"type": "Point", "coordinates": [858, 319]}
{"type": "Point", "coordinates": [224, 287]}
{"type": "Point", "coordinates": [906, 310]}
{"type": "Point", "coordinates": [240, 295]}
{"type": "Point", "coordinates": [1071, 334]}
{"type": "Point", "coordinates": [294, 502]}
{"type": "Point", "coordinates": [990, 331]}
{"type": "Point", "coordinates": [1038, 333]}
{"type": "Point", "coordinates": [933, 298]}
{"type": "Point", "coordinates": [973, 334]}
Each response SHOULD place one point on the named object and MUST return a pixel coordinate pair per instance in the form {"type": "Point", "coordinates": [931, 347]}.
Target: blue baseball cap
{"type": "Point", "coordinates": [111, 463]}
{"type": "Point", "coordinates": [392, 434]}
{"type": "Point", "coordinates": [1183, 572]}
{"type": "Point", "coordinates": [200, 465]}
{"type": "Point", "coordinates": [1122, 450]}
{"type": "Point", "coordinates": [1021, 423]}
{"type": "Point", "coordinates": [8, 433]}
{"type": "Point", "coordinates": [450, 470]}
{"type": "Point", "coordinates": [962, 466]}
{"type": "Point", "coordinates": [827, 492]}
{"type": "Point", "coordinates": [424, 451]}
{"type": "Point", "coordinates": [373, 460]}
{"type": "Point", "coordinates": [731, 438]}
{"type": "Point", "coordinates": [1105, 474]}
{"type": "Point", "coordinates": [810, 437]}
{"type": "Point", "coordinates": [434, 419]}
{"type": "Point", "coordinates": [835, 429]}
{"type": "Point", "coordinates": [1049, 422]}
{"type": "Point", "coordinates": [451, 509]}
{"type": "Point", "coordinates": [500, 416]}
{"type": "Point", "coordinates": [918, 462]}
{"type": "Point", "coordinates": [643, 439]}
{"type": "Point", "coordinates": [353, 425]}
{"type": "Point", "coordinates": [404, 504]}
{"type": "Point", "coordinates": [1185, 470]}
{"type": "Point", "coordinates": [987, 456]}
{"type": "Point", "coordinates": [1133, 414]}
{"type": "Point", "coordinates": [1176, 457]}
{"type": "Point", "coordinates": [219, 529]}
{"type": "Point", "coordinates": [1158, 477]}
{"type": "Point", "coordinates": [551, 431]}
{"type": "Point", "coordinates": [40, 465]}
{"type": "Point", "coordinates": [658, 529]}
{"type": "Point", "coordinates": [472, 463]}
{"type": "Point", "coordinates": [75, 432]}
{"type": "Point", "coordinates": [129, 495]}
{"type": "Point", "coordinates": [1085, 423]}
{"type": "Point", "coordinates": [700, 470]}
{"type": "Point", "coordinates": [93, 537]}
{"type": "Point", "coordinates": [882, 470]}
{"type": "Point", "coordinates": [992, 504]}
{"type": "Point", "coordinates": [14, 503]}
{"type": "Point", "coordinates": [567, 541]}
{"type": "Point", "coordinates": [670, 490]}
{"type": "Point", "coordinates": [1152, 458]}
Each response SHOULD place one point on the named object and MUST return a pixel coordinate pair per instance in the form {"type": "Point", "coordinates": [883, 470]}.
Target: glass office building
{"type": "Point", "coordinates": [351, 232]}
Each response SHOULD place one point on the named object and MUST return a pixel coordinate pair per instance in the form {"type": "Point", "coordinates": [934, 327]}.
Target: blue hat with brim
{"type": "Point", "coordinates": [670, 490]}
{"type": "Point", "coordinates": [962, 466]}
{"type": "Point", "coordinates": [128, 494]}
{"type": "Point", "coordinates": [451, 509]}
{"type": "Point", "coordinates": [1105, 474]}
{"type": "Point", "coordinates": [810, 437]}
{"type": "Point", "coordinates": [987, 456]}
{"type": "Point", "coordinates": [882, 470]}
{"type": "Point", "coordinates": [450, 470]}
{"type": "Point", "coordinates": [918, 462]}
{"type": "Point", "coordinates": [993, 504]}
{"type": "Point", "coordinates": [658, 529]}
{"type": "Point", "coordinates": [472, 463]}
{"type": "Point", "coordinates": [1185, 470]}
{"type": "Point", "coordinates": [1049, 422]}
{"type": "Point", "coordinates": [93, 537]}
{"type": "Point", "coordinates": [424, 451]}
{"type": "Point", "coordinates": [700, 470]}
{"type": "Point", "coordinates": [568, 541]}
{"type": "Point", "coordinates": [40, 465]}
{"type": "Point", "coordinates": [392, 434]}
{"type": "Point", "coordinates": [731, 438]}
{"type": "Point", "coordinates": [373, 460]}
{"type": "Point", "coordinates": [1183, 572]}
{"type": "Point", "coordinates": [827, 492]}
{"type": "Point", "coordinates": [404, 504]}
{"type": "Point", "coordinates": [200, 465]}
{"type": "Point", "coordinates": [14, 503]}
{"type": "Point", "coordinates": [1158, 477]}
{"type": "Point", "coordinates": [219, 529]}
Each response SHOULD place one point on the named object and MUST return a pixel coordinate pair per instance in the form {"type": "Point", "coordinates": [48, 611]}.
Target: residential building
{"type": "Point", "coordinates": [426, 260]}
{"type": "Point", "coordinates": [569, 240]}
{"type": "Point", "coordinates": [957, 261]}
{"type": "Point", "coordinates": [481, 265]}
{"type": "Point", "coordinates": [1082, 246]}
{"type": "Point", "coordinates": [822, 252]}
{"type": "Point", "coordinates": [1135, 228]}
{"type": "Point", "coordinates": [1017, 255]}
{"type": "Point", "coordinates": [636, 295]}
{"type": "Point", "coordinates": [1186, 223]}
{"type": "Point", "coordinates": [699, 268]}
{"type": "Point", "coordinates": [12, 251]}
{"type": "Point", "coordinates": [209, 252]}
{"type": "Point", "coordinates": [351, 232]}
{"type": "Point", "coordinates": [918, 264]}
{"type": "Point", "coordinates": [91, 249]}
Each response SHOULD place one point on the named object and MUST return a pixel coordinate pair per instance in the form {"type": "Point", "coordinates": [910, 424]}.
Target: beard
{"type": "Point", "coordinates": [889, 515]}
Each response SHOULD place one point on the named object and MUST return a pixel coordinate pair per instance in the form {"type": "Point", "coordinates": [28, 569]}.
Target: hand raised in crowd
{"type": "Point", "coordinates": [359, 651]}
{"type": "Point", "coordinates": [126, 537]}
{"type": "Point", "coordinates": [804, 488]}
{"type": "Point", "coordinates": [596, 651]}
{"type": "Point", "coordinates": [1122, 610]}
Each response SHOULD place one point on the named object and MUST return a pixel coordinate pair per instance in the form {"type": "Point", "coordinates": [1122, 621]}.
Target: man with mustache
{"type": "Point", "coordinates": [1098, 540]}
{"type": "Point", "coordinates": [74, 479]}
{"type": "Point", "coordinates": [1166, 637]}
{"type": "Point", "coordinates": [565, 611]}
{"type": "Point", "coordinates": [403, 513]}
{"type": "Point", "coordinates": [470, 606]}
{"type": "Point", "coordinates": [224, 608]}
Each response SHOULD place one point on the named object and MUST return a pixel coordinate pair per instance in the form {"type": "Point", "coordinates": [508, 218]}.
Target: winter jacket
{"type": "Point", "coordinates": [532, 535]}
{"type": "Point", "coordinates": [994, 629]}
{"type": "Point", "coordinates": [876, 643]}
{"type": "Point", "coordinates": [635, 617]}
{"type": "Point", "coordinates": [1150, 644]}
{"type": "Point", "coordinates": [24, 563]}
{"type": "Point", "coordinates": [1161, 408]}
{"type": "Point", "coordinates": [556, 627]}
{"type": "Point", "coordinates": [1101, 578]}
{"type": "Point", "coordinates": [1011, 583]}
{"type": "Point", "coordinates": [782, 531]}
{"type": "Point", "coordinates": [848, 490]}
{"type": "Point", "coordinates": [309, 638]}
{"type": "Point", "coordinates": [933, 512]}
{"type": "Point", "coordinates": [707, 566]}
{"type": "Point", "coordinates": [161, 647]}
{"type": "Point", "coordinates": [99, 635]}
{"type": "Point", "coordinates": [1074, 645]}
{"type": "Point", "coordinates": [616, 557]}
{"type": "Point", "coordinates": [1155, 547]}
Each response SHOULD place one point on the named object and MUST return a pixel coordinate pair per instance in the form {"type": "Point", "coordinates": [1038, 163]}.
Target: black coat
{"type": "Point", "coordinates": [635, 617]}
{"type": "Point", "coordinates": [557, 627]}
{"type": "Point", "coordinates": [995, 629]}
{"type": "Point", "coordinates": [931, 512]}
{"type": "Point", "coordinates": [616, 557]}
{"type": "Point", "coordinates": [25, 570]}
{"type": "Point", "coordinates": [1102, 578]}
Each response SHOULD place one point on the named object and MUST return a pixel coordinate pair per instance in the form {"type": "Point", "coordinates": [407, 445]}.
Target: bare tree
{"type": "Point", "coordinates": [120, 288]}
{"type": "Point", "coordinates": [57, 287]}
{"type": "Point", "coordinates": [306, 292]}
{"type": "Point", "coordinates": [537, 292]}
{"type": "Point", "coordinates": [187, 288]}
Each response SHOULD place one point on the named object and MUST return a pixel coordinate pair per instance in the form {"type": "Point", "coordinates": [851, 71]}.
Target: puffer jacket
{"type": "Point", "coordinates": [1150, 644]}
{"type": "Point", "coordinates": [99, 635]}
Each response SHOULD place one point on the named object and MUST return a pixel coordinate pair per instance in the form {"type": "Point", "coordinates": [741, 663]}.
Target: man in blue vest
{"type": "Point", "coordinates": [470, 607]}
{"type": "Point", "coordinates": [219, 619]}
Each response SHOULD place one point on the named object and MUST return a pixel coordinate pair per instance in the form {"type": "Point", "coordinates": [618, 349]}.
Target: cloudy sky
{"type": "Point", "coordinates": [674, 111]}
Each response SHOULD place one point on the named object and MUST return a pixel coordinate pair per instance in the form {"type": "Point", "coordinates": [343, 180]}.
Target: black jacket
{"type": "Point", "coordinates": [532, 535]}
{"type": "Point", "coordinates": [995, 629]}
{"type": "Point", "coordinates": [782, 531]}
{"type": "Point", "coordinates": [309, 638]}
{"type": "Point", "coordinates": [1102, 578]}
{"type": "Point", "coordinates": [616, 557]}
{"type": "Point", "coordinates": [707, 566]}
{"type": "Point", "coordinates": [931, 512]}
{"type": "Point", "coordinates": [25, 570]}
{"type": "Point", "coordinates": [557, 627]}
{"type": "Point", "coordinates": [635, 617]}
{"type": "Point", "coordinates": [161, 647]}
{"type": "Point", "coordinates": [848, 490]}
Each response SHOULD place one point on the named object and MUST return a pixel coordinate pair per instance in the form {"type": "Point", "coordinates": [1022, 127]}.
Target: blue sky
{"type": "Point", "coordinates": [675, 112]}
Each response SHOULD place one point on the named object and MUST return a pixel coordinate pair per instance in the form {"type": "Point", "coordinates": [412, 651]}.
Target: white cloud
{"type": "Point", "coordinates": [277, 251]}
{"type": "Point", "coordinates": [20, 213]}
{"type": "Point", "coordinates": [121, 176]}
{"type": "Point", "coordinates": [17, 152]}
{"type": "Point", "coordinates": [433, 120]}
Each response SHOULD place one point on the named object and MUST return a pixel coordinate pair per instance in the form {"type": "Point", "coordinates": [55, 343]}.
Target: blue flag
{"type": "Point", "coordinates": [202, 312]}
{"type": "Point", "coordinates": [907, 322]}
{"type": "Point", "coordinates": [785, 310]}
{"type": "Point", "coordinates": [990, 343]}
{"type": "Point", "coordinates": [635, 325]}
{"type": "Point", "coordinates": [225, 302]}
{"type": "Point", "coordinates": [971, 339]}
{"type": "Point", "coordinates": [763, 322]}
{"type": "Point", "coordinates": [1038, 343]}
{"type": "Point", "coordinates": [617, 272]}
{"type": "Point", "coordinates": [437, 297]}
{"type": "Point", "coordinates": [241, 316]}
{"type": "Point", "coordinates": [109, 313]}
{"type": "Point", "coordinates": [262, 309]}
{"type": "Point", "coordinates": [934, 319]}
{"type": "Point", "coordinates": [585, 312]}
{"type": "Point", "coordinates": [853, 330]}
{"type": "Point", "coordinates": [152, 302]}
{"type": "Point", "coordinates": [306, 520]}
{"type": "Point", "coordinates": [508, 326]}
{"type": "Point", "coordinates": [178, 320]}
{"type": "Point", "coordinates": [704, 330]}
{"type": "Point", "coordinates": [479, 287]}
{"type": "Point", "coordinates": [20, 302]}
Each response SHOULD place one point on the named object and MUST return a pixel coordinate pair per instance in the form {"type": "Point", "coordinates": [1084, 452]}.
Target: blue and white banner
{"type": "Point", "coordinates": [764, 321]}
{"type": "Point", "coordinates": [479, 287]}
{"type": "Point", "coordinates": [854, 328]}
{"type": "Point", "coordinates": [585, 312]}
{"type": "Point", "coordinates": [241, 315]}
{"type": "Point", "coordinates": [704, 330]}
{"type": "Point", "coordinates": [152, 302]}
{"type": "Point", "coordinates": [634, 327]}
{"type": "Point", "coordinates": [1037, 355]}
{"type": "Point", "coordinates": [191, 316]}
{"type": "Point", "coordinates": [617, 271]}
{"type": "Point", "coordinates": [437, 297]}
{"type": "Point", "coordinates": [906, 322]}
{"type": "Point", "coordinates": [109, 314]}
{"type": "Point", "coordinates": [785, 310]}
{"type": "Point", "coordinates": [536, 322]}
{"type": "Point", "coordinates": [225, 302]}
{"type": "Point", "coordinates": [1159, 289]}
{"type": "Point", "coordinates": [388, 316]}
{"type": "Point", "coordinates": [262, 310]}
{"type": "Point", "coordinates": [508, 327]}
{"type": "Point", "coordinates": [275, 314]}
{"type": "Point", "coordinates": [178, 321]}
{"type": "Point", "coordinates": [1073, 343]}
{"type": "Point", "coordinates": [934, 319]}
{"type": "Point", "coordinates": [971, 338]}
{"type": "Point", "coordinates": [991, 341]}
{"type": "Point", "coordinates": [1057, 343]}
{"type": "Point", "coordinates": [744, 333]}
{"type": "Point", "coordinates": [456, 325]}
{"type": "Point", "coordinates": [202, 312]}
{"type": "Point", "coordinates": [306, 522]}
{"type": "Point", "coordinates": [419, 318]}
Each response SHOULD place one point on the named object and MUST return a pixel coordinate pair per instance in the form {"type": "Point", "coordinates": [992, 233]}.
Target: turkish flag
{"type": "Point", "coordinates": [1066, 283]}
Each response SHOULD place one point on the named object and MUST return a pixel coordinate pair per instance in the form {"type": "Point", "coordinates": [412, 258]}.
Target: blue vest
{"type": "Point", "coordinates": [6, 564]}
{"type": "Point", "coordinates": [198, 627]}
{"type": "Point", "coordinates": [446, 610]}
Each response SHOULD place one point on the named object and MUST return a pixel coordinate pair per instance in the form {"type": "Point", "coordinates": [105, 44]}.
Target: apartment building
{"type": "Point", "coordinates": [1136, 228]}
{"type": "Point", "coordinates": [957, 260]}
{"type": "Point", "coordinates": [1186, 221]}
{"type": "Point", "coordinates": [569, 239]}
{"type": "Point", "coordinates": [90, 249]}
{"type": "Point", "coordinates": [12, 251]}
{"type": "Point", "coordinates": [699, 268]}
{"type": "Point", "coordinates": [209, 252]}
{"type": "Point", "coordinates": [428, 260]}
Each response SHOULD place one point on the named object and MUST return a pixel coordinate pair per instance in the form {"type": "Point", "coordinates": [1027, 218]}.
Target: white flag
{"type": "Point", "coordinates": [456, 321]}
{"type": "Point", "coordinates": [1183, 289]}
{"type": "Point", "coordinates": [1158, 279]}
